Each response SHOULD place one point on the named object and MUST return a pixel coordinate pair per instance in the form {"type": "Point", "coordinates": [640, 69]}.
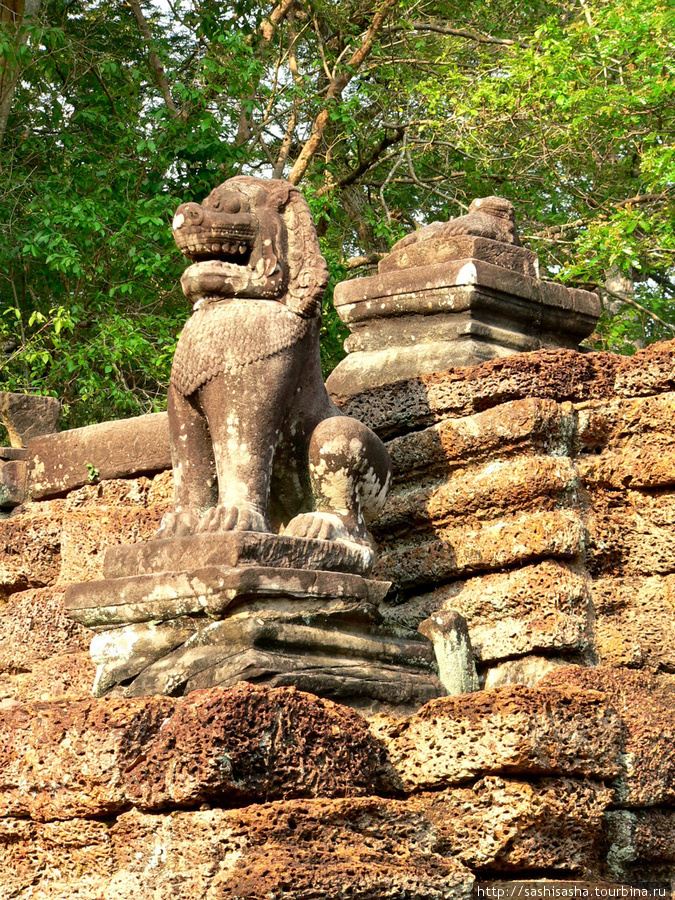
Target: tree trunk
{"type": "Point", "coordinates": [13, 16]}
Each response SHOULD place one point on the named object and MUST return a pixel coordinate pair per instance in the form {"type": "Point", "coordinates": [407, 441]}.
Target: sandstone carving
{"type": "Point", "coordinates": [454, 293]}
{"type": "Point", "coordinates": [247, 406]}
{"type": "Point", "coordinates": [258, 448]}
{"type": "Point", "coordinates": [489, 217]}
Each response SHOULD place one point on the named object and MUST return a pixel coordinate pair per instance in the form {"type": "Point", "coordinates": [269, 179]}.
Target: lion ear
{"type": "Point", "coordinates": [279, 196]}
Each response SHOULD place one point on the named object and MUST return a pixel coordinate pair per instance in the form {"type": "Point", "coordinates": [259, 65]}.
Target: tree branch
{"type": "Point", "coordinates": [155, 61]}
{"type": "Point", "coordinates": [640, 307]}
{"type": "Point", "coordinates": [337, 85]}
{"type": "Point", "coordinates": [269, 25]}
{"type": "Point", "coordinates": [365, 164]}
{"type": "Point", "coordinates": [267, 29]}
{"type": "Point", "coordinates": [456, 32]}
{"type": "Point", "coordinates": [640, 198]}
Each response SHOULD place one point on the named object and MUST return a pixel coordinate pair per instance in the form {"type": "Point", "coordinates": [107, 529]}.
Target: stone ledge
{"type": "Point", "coordinates": [415, 402]}
{"type": "Point", "coordinates": [509, 730]}
{"type": "Point", "coordinates": [387, 848]}
{"type": "Point", "coordinates": [60, 462]}
{"type": "Point", "coordinates": [368, 297]}
{"type": "Point", "coordinates": [234, 548]}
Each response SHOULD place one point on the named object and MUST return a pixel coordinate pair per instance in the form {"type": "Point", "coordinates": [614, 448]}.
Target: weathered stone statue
{"type": "Point", "coordinates": [247, 403]}
{"type": "Point", "coordinates": [488, 217]}
{"type": "Point", "coordinates": [258, 448]}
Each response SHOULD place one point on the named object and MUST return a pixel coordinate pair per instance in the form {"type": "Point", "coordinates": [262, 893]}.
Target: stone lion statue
{"type": "Point", "coordinates": [256, 441]}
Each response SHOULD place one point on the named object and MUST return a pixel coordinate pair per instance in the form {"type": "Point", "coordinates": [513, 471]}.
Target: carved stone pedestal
{"type": "Point", "coordinates": [176, 615]}
{"type": "Point", "coordinates": [452, 300]}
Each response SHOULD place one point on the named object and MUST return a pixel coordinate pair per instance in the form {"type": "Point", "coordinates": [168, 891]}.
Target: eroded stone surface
{"type": "Point", "coordinates": [544, 607]}
{"type": "Point", "coordinates": [62, 462]}
{"type": "Point", "coordinates": [560, 375]}
{"type": "Point", "coordinates": [235, 549]}
{"type": "Point", "coordinates": [290, 851]}
{"type": "Point", "coordinates": [646, 704]}
{"type": "Point", "coordinates": [287, 848]}
{"type": "Point", "coordinates": [453, 651]}
{"type": "Point", "coordinates": [26, 416]}
{"type": "Point", "coordinates": [455, 552]}
{"type": "Point", "coordinates": [98, 757]}
{"type": "Point", "coordinates": [34, 627]}
{"type": "Point", "coordinates": [635, 621]}
{"type": "Point", "coordinates": [641, 845]}
{"type": "Point", "coordinates": [30, 547]}
{"type": "Point", "coordinates": [505, 730]}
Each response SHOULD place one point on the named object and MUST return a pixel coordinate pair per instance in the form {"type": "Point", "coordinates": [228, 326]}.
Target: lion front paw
{"type": "Point", "coordinates": [233, 518]}
{"type": "Point", "coordinates": [324, 526]}
{"type": "Point", "coordinates": [176, 525]}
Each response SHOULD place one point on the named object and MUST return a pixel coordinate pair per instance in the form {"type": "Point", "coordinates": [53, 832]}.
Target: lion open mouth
{"type": "Point", "coordinates": [214, 234]}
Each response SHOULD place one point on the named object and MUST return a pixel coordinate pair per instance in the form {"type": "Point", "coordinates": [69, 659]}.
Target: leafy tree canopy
{"type": "Point", "coordinates": [112, 113]}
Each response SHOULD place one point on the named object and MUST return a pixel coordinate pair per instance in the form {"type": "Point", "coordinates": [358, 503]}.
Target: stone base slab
{"type": "Point", "coordinates": [407, 322]}
{"type": "Point", "coordinates": [211, 591]}
{"type": "Point", "coordinates": [400, 292]}
{"type": "Point", "coordinates": [225, 617]}
{"type": "Point", "coordinates": [464, 246]}
{"type": "Point", "coordinates": [235, 548]}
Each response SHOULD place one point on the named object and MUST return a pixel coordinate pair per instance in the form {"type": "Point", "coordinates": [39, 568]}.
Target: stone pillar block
{"type": "Point", "coordinates": [443, 299]}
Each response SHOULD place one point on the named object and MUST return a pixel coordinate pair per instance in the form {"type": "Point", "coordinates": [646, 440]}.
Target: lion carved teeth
{"type": "Point", "coordinates": [242, 248]}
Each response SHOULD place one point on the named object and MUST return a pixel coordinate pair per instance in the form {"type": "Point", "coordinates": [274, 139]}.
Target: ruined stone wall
{"type": "Point", "coordinates": [534, 494]}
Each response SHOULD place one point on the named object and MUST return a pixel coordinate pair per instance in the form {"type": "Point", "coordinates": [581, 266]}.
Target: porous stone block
{"type": "Point", "coordinates": [641, 845]}
{"type": "Point", "coordinates": [528, 426]}
{"type": "Point", "coordinates": [543, 607]}
{"type": "Point", "coordinates": [635, 621]}
{"type": "Point", "coordinates": [30, 547]}
{"type": "Point", "coordinates": [375, 851]}
{"type": "Point", "coordinates": [64, 675]}
{"type": "Point", "coordinates": [631, 533]}
{"type": "Point", "coordinates": [508, 825]}
{"type": "Point", "coordinates": [510, 730]}
{"type": "Point", "coordinates": [527, 670]}
{"type": "Point", "coordinates": [412, 403]}
{"type": "Point", "coordinates": [34, 627]}
{"type": "Point", "coordinates": [387, 848]}
{"type": "Point", "coordinates": [64, 759]}
{"type": "Point", "coordinates": [454, 552]}
{"type": "Point", "coordinates": [646, 704]}
{"type": "Point", "coordinates": [478, 494]}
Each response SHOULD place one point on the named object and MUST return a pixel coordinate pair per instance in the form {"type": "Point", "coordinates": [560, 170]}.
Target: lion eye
{"type": "Point", "coordinates": [232, 205]}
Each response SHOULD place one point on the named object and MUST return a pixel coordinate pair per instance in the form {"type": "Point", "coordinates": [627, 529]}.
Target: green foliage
{"type": "Point", "coordinates": [566, 108]}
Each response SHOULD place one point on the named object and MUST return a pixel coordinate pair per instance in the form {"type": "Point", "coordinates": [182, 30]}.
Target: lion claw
{"type": "Point", "coordinates": [233, 518]}
{"type": "Point", "coordinates": [176, 525]}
